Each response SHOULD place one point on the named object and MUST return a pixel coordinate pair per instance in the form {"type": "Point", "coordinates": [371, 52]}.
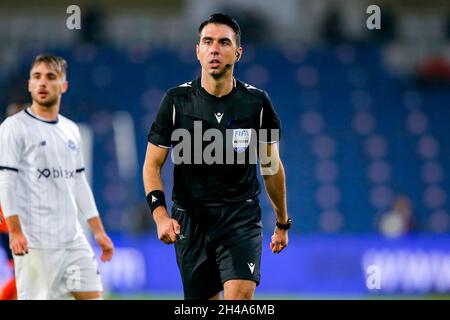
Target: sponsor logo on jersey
{"type": "Point", "coordinates": [56, 173]}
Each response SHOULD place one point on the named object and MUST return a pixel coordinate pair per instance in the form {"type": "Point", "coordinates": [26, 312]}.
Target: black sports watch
{"type": "Point", "coordinates": [285, 226]}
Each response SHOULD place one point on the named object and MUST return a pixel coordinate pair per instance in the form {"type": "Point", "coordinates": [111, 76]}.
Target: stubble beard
{"type": "Point", "coordinates": [47, 103]}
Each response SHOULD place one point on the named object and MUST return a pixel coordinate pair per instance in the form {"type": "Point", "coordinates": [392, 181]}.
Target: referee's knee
{"type": "Point", "coordinates": [238, 289]}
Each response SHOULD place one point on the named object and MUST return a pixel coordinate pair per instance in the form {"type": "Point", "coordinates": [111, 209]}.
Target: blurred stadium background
{"type": "Point", "coordinates": [365, 143]}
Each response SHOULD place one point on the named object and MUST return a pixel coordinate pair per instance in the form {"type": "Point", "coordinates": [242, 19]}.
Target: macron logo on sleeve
{"type": "Point", "coordinates": [154, 199]}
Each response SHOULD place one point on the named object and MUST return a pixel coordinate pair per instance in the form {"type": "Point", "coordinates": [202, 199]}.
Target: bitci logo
{"type": "Point", "coordinates": [56, 173]}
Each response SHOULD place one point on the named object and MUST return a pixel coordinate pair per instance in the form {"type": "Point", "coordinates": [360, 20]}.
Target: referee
{"type": "Point", "coordinates": [215, 222]}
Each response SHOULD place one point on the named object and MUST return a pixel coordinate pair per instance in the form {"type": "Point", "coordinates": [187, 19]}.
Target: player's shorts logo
{"type": "Point", "coordinates": [241, 139]}
{"type": "Point", "coordinates": [251, 266]}
{"type": "Point", "coordinates": [72, 146]}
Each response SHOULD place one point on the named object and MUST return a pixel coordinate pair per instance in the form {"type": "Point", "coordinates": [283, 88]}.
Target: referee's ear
{"type": "Point", "coordinates": [196, 51]}
{"type": "Point", "coordinates": [239, 52]}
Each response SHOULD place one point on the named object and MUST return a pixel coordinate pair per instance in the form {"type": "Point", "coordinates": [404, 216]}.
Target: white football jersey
{"type": "Point", "coordinates": [47, 156]}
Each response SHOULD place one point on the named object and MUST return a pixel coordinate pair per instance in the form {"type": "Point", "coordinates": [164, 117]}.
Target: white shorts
{"type": "Point", "coordinates": [52, 274]}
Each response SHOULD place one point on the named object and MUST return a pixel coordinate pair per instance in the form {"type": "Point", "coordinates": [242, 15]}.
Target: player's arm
{"type": "Point", "coordinates": [17, 240]}
{"type": "Point", "coordinates": [86, 203]}
{"type": "Point", "coordinates": [18, 243]}
{"type": "Point", "coordinates": [11, 144]}
{"type": "Point", "coordinates": [272, 171]}
{"type": "Point", "coordinates": [154, 160]}
{"type": "Point", "coordinates": [101, 238]}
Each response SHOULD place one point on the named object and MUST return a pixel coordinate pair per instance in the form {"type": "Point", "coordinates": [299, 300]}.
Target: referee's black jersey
{"type": "Point", "coordinates": [218, 183]}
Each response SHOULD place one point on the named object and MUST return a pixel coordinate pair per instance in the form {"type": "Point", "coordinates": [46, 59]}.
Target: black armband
{"type": "Point", "coordinates": [155, 199]}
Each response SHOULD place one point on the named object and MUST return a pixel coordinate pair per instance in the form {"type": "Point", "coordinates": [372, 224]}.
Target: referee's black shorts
{"type": "Point", "coordinates": [217, 244]}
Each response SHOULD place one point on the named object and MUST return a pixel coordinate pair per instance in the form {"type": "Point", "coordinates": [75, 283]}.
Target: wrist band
{"type": "Point", "coordinates": [155, 199]}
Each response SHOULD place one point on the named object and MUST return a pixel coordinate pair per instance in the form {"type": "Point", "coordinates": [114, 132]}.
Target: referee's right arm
{"type": "Point", "coordinates": [154, 160]}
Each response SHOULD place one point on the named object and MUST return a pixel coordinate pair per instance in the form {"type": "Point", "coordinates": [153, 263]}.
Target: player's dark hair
{"type": "Point", "coordinates": [55, 62]}
{"type": "Point", "coordinates": [221, 18]}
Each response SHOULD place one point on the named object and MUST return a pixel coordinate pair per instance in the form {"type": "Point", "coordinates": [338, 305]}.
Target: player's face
{"type": "Point", "coordinates": [46, 85]}
{"type": "Point", "coordinates": [217, 48]}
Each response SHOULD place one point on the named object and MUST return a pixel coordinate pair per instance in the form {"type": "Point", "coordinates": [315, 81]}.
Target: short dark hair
{"type": "Point", "coordinates": [55, 62]}
{"type": "Point", "coordinates": [225, 19]}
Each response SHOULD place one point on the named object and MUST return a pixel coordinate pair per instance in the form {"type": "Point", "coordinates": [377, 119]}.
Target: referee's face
{"type": "Point", "coordinates": [46, 85]}
{"type": "Point", "coordinates": [217, 49]}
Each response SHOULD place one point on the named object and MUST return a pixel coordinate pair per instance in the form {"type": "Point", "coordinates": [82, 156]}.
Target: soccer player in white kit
{"type": "Point", "coordinates": [43, 187]}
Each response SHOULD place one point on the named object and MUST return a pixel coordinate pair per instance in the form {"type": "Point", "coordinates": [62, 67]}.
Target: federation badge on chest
{"type": "Point", "coordinates": [241, 139]}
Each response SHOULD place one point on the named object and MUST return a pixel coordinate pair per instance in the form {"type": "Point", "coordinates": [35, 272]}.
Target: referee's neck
{"type": "Point", "coordinates": [218, 87]}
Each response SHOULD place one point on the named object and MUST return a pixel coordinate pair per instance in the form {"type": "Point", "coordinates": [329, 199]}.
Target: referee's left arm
{"type": "Point", "coordinates": [273, 174]}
